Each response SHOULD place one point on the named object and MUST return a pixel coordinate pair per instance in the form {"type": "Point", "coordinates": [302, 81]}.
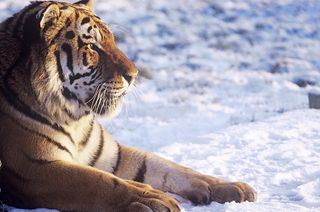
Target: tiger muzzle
{"type": "Point", "coordinates": [118, 65]}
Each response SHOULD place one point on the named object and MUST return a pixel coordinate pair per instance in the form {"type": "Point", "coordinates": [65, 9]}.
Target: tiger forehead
{"type": "Point", "coordinates": [92, 25]}
{"type": "Point", "coordinates": [93, 20]}
{"type": "Point", "coordinates": [87, 20]}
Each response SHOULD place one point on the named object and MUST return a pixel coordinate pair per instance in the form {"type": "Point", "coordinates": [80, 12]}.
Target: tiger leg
{"type": "Point", "coordinates": [167, 176]}
{"type": "Point", "coordinates": [70, 187]}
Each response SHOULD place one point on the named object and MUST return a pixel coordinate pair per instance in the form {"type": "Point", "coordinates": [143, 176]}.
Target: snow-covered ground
{"type": "Point", "coordinates": [223, 90]}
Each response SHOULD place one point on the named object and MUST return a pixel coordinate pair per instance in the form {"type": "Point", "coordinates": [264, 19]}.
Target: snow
{"type": "Point", "coordinates": [227, 94]}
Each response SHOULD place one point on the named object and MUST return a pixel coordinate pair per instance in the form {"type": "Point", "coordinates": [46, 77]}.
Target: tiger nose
{"type": "Point", "coordinates": [128, 78]}
{"type": "Point", "coordinates": [130, 74]}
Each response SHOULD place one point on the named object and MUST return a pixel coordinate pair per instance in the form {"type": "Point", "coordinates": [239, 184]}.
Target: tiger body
{"type": "Point", "coordinates": [59, 69]}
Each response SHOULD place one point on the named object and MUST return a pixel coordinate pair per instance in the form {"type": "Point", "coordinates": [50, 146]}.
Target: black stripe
{"type": "Point", "coordinates": [47, 26]}
{"type": "Point", "coordinates": [89, 83]}
{"type": "Point", "coordinates": [89, 29]}
{"type": "Point", "coordinates": [68, 23]}
{"type": "Point", "coordinates": [68, 50]}
{"type": "Point", "coordinates": [84, 59]}
{"type": "Point", "coordinates": [94, 77]}
{"type": "Point", "coordinates": [116, 167]}
{"type": "Point", "coordinates": [97, 49]}
{"type": "Point", "coordinates": [80, 42]}
{"type": "Point", "coordinates": [57, 144]}
{"type": "Point", "coordinates": [87, 136]}
{"type": "Point", "coordinates": [68, 94]}
{"type": "Point", "coordinates": [141, 172]}
{"type": "Point", "coordinates": [77, 76]}
{"type": "Point", "coordinates": [47, 138]}
{"type": "Point", "coordinates": [86, 36]}
{"type": "Point", "coordinates": [85, 20]}
{"type": "Point", "coordinates": [93, 80]}
{"type": "Point", "coordinates": [97, 17]}
{"type": "Point", "coordinates": [60, 70]}
{"type": "Point", "coordinates": [37, 161]}
{"type": "Point", "coordinates": [99, 150]}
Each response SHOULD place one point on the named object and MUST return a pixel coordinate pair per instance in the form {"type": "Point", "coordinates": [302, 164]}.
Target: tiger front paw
{"type": "Point", "coordinates": [147, 199]}
{"type": "Point", "coordinates": [236, 191]}
{"type": "Point", "coordinates": [205, 189]}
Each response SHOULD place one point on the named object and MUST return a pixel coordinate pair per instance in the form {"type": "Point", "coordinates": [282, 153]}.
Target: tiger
{"type": "Point", "coordinates": [60, 69]}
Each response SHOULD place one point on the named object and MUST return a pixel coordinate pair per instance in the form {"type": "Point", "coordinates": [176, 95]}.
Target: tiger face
{"type": "Point", "coordinates": [93, 73]}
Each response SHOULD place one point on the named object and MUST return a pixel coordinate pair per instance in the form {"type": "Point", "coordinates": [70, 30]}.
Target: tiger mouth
{"type": "Point", "coordinates": [105, 101]}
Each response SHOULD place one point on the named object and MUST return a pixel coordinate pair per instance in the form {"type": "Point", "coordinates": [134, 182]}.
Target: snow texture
{"type": "Point", "coordinates": [223, 90]}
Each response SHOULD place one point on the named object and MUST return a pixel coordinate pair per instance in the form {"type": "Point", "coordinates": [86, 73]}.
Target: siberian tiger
{"type": "Point", "coordinates": [59, 69]}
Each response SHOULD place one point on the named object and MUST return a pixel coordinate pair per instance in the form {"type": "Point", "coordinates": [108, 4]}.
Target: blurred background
{"type": "Point", "coordinates": [223, 89]}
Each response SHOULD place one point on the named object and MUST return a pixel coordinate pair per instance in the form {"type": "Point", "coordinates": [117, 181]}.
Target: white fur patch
{"type": "Point", "coordinates": [109, 156]}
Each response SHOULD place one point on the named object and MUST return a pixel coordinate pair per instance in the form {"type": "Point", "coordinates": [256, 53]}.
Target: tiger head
{"type": "Point", "coordinates": [78, 69]}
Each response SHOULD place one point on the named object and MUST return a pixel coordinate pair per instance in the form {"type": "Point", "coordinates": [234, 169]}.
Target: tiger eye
{"type": "Point", "coordinates": [70, 35]}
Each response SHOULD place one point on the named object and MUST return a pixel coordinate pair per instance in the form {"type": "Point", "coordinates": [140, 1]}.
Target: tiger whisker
{"type": "Point", "coordinates": [94, 102]}
{"type": "Point", "coordinates": [97, 95]}
{"type": "Point", "coordinates": [102, 100]}
{"type": "Point", "coordinates": [94, 95]}
{"type": "Point", "coordinates": [98, 100]}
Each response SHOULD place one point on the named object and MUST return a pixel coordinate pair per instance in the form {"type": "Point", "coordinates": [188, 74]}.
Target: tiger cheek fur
{"type": "Point", "coordinates": [59, 69]}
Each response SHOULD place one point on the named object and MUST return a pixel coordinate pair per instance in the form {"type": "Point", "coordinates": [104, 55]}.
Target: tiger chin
{"type": "Point", "coordinates": [59, 69]}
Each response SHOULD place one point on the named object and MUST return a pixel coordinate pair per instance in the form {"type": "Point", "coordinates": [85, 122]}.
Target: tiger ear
{"type": "Point", "coordinates": [88, 3]}
{"type": "Point", "coordinates": [36, 25]}
{"type": "Point", "coordinates": [49, 17]}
